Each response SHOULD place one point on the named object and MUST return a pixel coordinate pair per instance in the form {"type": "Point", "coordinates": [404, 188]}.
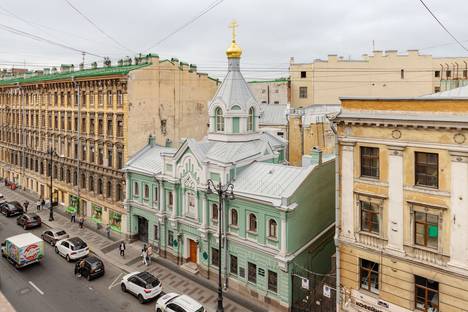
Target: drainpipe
{"type": "Point", "coordinates": [337, 220]}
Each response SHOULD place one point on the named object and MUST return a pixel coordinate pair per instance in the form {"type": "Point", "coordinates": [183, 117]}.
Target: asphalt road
{"type": "Point", "coordinates": [51, 286]}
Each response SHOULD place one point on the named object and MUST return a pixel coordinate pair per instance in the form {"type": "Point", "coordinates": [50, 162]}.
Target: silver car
{"type": "Point", "coordinates": [53, 235]}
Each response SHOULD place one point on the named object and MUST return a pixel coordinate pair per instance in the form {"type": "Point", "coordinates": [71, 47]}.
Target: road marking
{"type": "Point", "coordinates": [115, 282]}
{"type": "Point", "coordinates": [36, 288]}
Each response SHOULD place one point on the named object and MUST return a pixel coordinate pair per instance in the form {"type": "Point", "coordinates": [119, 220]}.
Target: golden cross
{"type": "Point", "coordinates": [233, 25]}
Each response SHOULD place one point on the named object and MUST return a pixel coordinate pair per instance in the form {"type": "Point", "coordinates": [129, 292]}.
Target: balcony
{"type": "Point", "coordinates": [426, 255]}
{"type": "Point", "coordinates": [370, 240]}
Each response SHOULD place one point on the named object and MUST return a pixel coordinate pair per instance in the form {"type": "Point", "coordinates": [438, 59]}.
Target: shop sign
{"type": "Point", "coordinates": [326, 291]}
{"type": "Point", "coordinates": [367, 307]}
{"type": "Point", "coordinates": [305, 283]}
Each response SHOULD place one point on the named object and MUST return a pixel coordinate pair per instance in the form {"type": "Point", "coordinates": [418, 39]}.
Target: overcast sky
{"type": "Point", "coordinates": [269, 32]}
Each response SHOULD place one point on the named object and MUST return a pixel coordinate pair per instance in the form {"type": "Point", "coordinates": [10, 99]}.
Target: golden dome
{"type": "Point", "coordinates": [234, 51]}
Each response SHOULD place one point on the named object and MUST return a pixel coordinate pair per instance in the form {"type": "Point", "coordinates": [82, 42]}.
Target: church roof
{"type": "Point", "coordinates": [148, 160]}
{"type": "Point", "coordinates": [234, 90]}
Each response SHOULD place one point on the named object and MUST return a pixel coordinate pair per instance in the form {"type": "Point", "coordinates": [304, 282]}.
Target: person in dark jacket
{"type": "Point", "coordinates": [122, 248]}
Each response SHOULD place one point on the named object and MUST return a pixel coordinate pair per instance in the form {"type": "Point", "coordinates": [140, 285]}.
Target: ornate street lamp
{"type": "Point", "coordinates": [224, 192]}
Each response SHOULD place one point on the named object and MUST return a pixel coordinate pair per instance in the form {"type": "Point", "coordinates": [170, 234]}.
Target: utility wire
{"type": "Point", "coordinates": [191, 21]}
{"type": "Point", "coordinates": [97, 27]}
{"type": "Point", "coordinates": [41, 39]}
{"type": "Point", "coordinates": [443, 26]}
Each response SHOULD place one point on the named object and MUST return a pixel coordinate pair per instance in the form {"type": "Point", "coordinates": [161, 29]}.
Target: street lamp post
{"type": "Point", "coordinates": [224, 192]}
{"type": "Point", "coordinates": [51, 152]}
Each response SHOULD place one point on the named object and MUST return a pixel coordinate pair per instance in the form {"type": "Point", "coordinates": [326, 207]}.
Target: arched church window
{"type": "Point", "coordinates": [219, 119]}
{"type": "Point", "coordinates": [251, 121]}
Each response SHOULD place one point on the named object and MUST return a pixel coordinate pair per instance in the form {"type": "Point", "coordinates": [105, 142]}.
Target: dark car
{"type": "Point", "coordinates": [93, 268]}
{"type": "Point", "coordinates": [29, 220]}
{"type": "Point", "coordinates": [11, 209]}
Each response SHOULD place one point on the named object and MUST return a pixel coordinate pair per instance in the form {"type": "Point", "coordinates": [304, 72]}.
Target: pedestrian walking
{"type": "Point", "coordinates": [108, 230]}
{"type": "Point", "coordinates": [73, 217]}
{"type": "Point", "coordinates": [38, 205]}
{"type": "Point", "coordinates": [81, 222]}
{"type": "Point", "coordinates": [81, 267]}
{"type": "Point", "coordinates": [122, 248]}
{"type": "Point", "coordinates": [144, 256]}
{"type": "Point", "coordinates": [42, 203]}
{"type": "Point", "coordinates": [149, 253]}
{"type": "Point", "coordinates": [26, 204]}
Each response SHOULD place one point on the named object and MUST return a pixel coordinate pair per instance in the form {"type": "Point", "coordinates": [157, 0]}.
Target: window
{"type": "Point", "coordinates": [171, 200]}
{"type": "Point", "coordinates": [369, 217]}
{"type": "Point", "coordinates": [369, 276]}
{"type": "Point", "coordinates": [272, 281]}
{"type": "Point", "coordinates": [214, 212]}
{"type": "Point", "coordinates": [109, 98]}
{"type": "Point", "coordinates": [214, 257]}
{"type": "Point", "coordinates": [100, 98]}
{"type": "Point", "coordinates": [303, 74]}
{"type": "Point", "coordinates": [156, 232]}
{"type": "Point", "coordinates": [369, 162]}
{"type": "Point", "coordinates": [303, 92]}
{"type": "Point", "coordinates": [465, 73]}
{"type": "Point", "coordinates": [119, 159]}
{"type": "Point", "coordinates": [146, 193]}
{"type": "Point", "coordinates": [427, 169]}
{"type": "Point", "coordinates": [436, 89]}
{"type": "Point", "coordinates": [191, 204]}
{"type": "Point", "coordinates": [252, 272]}
{"type": "Point", "coordinates": [272, 229]}
{"type": "Point", "coordinates": [156, 194]}
{"type": "Point", "coordinates": [119, 98]}
{"type": "Point", "coordinates": [233, 265]}
{"type": "Point", "coordinates": [427, 294]}
{"type": "Point", "coordinates": [170, 238]}
{"type": "Point", "coordinates": [100, 187]}
{"type": "Point", "coordinates": [234, 217]}
{"type": "Point", "coordinates": [136, 191]}
{"type": "Point", "coordinates": [110, 131]}
{"type": "Point", "coordinates": [251, 120]}
{"type": "Point", "coordinates": [402, 74]}
{"type": "Point", "coordinates": [448, 73]}
{"type": "Point", "coordinates": [252, 223]}
{"type": "Point", "coordinates": [219, 119]}
{"type": "Point", "coordinates": [109, 189]}
{"type": "Point", "coordinates": [91, 184]}
{"type": "Point", "coordinates": [426, 229]}
{"type": "Point", "coordinates": [437, 73]}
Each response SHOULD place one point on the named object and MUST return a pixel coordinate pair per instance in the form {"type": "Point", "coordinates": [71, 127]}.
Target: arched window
{"type": "Point", "coordinates": [62, 176]}
{"type": "Point", "coordinates": [251, 120]}
{"type": "Point", "coordinates": [219, 119]}
{"type": "Point", "coordinates": [146, 191]}
{"type": "Point", "coordinates": [119, 191]}
{"type": "Point", "coordinates": [136, 191]}
{"type": "Point", "coordinates": [67, 179]}
{"type": "Point", "coordinates": [91, 184]}
{"type": "Point", "coordinates": [83, 180]}
{"type": "Point", "coordinates": [100, 186]}
{"type": "Point", "coordinates": [252, 223]}
{"type": "Point", "coordinates": [272, 229]}
{"type": "Point", "coordinates": [214, 212]}
{"type": "Point", "coordinates": [234, 217]}
{"type": "Point", "coordinates": [109, 189]}
{"type": "Point", "coordinates": [55, 172]}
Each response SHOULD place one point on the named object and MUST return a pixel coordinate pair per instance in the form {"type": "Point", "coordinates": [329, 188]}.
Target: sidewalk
{"type": "Point", "coordinates": [5, 305]}
{"type": "Point", "coordinates": [173, 277]}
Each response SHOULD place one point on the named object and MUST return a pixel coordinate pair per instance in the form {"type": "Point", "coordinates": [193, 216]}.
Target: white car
{"type": "Point", "coordinates": [72, 248]}
{"type": "Point", "coordinates": [173, 302]}
{"type": "Point", "coordinates": [143, 285]}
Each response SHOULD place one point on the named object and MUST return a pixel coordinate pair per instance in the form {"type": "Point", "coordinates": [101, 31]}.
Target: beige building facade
{"type": "Point", "coordinates": [385, 74]}
{"type": "Point", "coordinates": [402, 221]}
{"type": "Point", "coordinates": [275, 91]}
{"type": "Point", "coordinates": [93, 120]}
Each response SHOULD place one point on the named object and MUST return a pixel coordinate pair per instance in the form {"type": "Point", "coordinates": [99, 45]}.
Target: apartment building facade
{"type": "Point", "coordinates": [403, 186]}
{"type": "Point", "coordinates": [275, 91]}
{"type": "Point", "coordinates": [386, 74]}
{"type": "Point", "coordinates": [93, 120]}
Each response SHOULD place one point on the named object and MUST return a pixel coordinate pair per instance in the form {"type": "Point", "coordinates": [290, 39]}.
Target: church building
{"type": "Point", "coordinates": [275, 219]}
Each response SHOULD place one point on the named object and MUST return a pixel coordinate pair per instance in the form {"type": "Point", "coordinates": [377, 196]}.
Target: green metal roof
{"type": "Point", "coordinates": [102, 71]}
{"type": "Point", "coordinates": [274, 80]}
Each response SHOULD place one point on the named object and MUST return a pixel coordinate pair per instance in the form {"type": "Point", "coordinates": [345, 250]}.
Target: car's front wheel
{"type": "Point", "coordinates": [158, 310]}
{"type": "Point", "coordinates": [141, 299]}
{"type": "Point", "coordinates": [56, 250]}
{"type": "Point", "coordinates": [123, 287]}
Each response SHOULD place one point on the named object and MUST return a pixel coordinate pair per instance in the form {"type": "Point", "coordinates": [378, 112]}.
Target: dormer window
{"type": "Point", "coordinates": [219, 119]}
{"type": "Point", "coordinates": [251, 121]}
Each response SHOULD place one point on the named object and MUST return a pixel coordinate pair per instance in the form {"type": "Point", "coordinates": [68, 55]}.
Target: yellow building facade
{"type": "Point", "coordinates": [402, 221]}
{"type": "Point", "coordinates": [379, 74]}
{"type": "Point", "coordinates": [94, 120]}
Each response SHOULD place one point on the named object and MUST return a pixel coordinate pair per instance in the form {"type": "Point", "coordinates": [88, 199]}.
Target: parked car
{"type": "Point", "coordinates": [72, 248]}
{"type": "Point", "coordinates": [143, 285]}
{"type": "Point", "coordinates": [93, 268]}
{"type": "Point", "coordinates": [180, 303]}
{"type": "Point", "coordinates": [29, 220]}
{"type": "Point", "coordinates": [53, 235]}
{"type": "Point", "coordinates": [10, 209]}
